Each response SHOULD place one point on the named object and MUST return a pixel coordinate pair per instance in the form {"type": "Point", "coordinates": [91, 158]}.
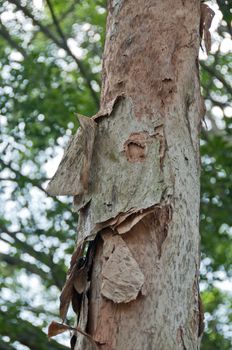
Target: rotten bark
{"type": "Point", "coordinates": [135, 182]}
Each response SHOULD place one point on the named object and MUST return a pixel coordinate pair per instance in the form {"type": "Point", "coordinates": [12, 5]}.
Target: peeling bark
{"type": "Point", "coordinates": [134, 173]}
{"type": "Point", "coordinates": [72, 176]}
{"type": "Point", "coordinates": [122, 278]}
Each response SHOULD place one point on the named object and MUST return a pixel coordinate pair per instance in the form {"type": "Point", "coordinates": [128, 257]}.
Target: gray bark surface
{"type": "Point", "coordinates": [136, 181]}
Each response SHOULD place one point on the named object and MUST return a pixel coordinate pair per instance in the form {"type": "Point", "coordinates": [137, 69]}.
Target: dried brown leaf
{"type": "Point", "coordinates": [77, 279]}
{"type": "Point", "coordinates": [80, 279]}
{"type": "Point", "coordinates": [78, 253]}
{"type": "Point", "coordinates": [73, 341]}
{"type": "Point", "coordinates": [207, 41]}
{"type": "Point", "coordinates": [76, 302]}
{"type": "Point", "coordinates": [56, 328]}
{"type": "Point", "coordinates": [77, 264]}
{"type": "Point", "coordinates": [65, 297]}
{"type": "Point", "coordinates": [67, 291]}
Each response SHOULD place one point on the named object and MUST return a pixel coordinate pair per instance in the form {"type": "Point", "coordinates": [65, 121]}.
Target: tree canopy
{"type": "Point", "coordinates": [50, 69]}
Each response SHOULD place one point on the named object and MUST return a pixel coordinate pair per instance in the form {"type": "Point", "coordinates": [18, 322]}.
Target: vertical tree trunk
{"type": "Point", "coordinates": [140, 196]}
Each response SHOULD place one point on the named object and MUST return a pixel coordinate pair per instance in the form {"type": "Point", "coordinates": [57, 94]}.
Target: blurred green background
{"type": "Point", "coordinates": [50, 64]}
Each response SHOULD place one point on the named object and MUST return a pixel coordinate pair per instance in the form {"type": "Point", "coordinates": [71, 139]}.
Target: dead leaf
{"type": "Point", "coordinates": [65, 297]}
{"type": "Point", "coordinates": [56, 328]}
{"type": "Point", "coordinates": [76, 302]}
{"type": "Point", "coordinates": [77, 262]}
{"type": "Point", "coordinates": [73, 341]}
{"type": "Point", "coordinates": [78, 252]}
{"type": "Point", "coordinates": [77, 278]}
{"type": "Point", "coordinates": [207, 37]}
{"type": "Point", "coordinates": [207, 15]}
{"type": "Point", "coordinates": [67, 291]}
{"type": "Point", "coordinates": [80, 279]}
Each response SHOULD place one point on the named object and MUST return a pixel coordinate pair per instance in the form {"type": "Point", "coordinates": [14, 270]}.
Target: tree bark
{"type": "Point", "coordinates": [137, 185]}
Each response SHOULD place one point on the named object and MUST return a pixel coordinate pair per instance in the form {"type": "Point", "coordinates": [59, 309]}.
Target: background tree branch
{"type": "Point", "coordinates": [60, 44]}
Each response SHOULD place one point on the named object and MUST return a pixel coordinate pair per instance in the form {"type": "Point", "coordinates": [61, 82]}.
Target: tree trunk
{"type": "Point", "coordinates": [136, 184]}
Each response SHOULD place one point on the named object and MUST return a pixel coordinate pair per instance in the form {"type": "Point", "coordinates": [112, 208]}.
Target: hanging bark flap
{"type": "Point", "coordinates": [106, 112]}
{"type": "Point", "coordinates": [125, 221]}
{"type": "Point", "coordinates": [122, 277]}
{"type": "Point", "coordinates": [122, 142]}
{"type": "Point", "coordinates": [68, 289]}
{"type": "Point", "coordinates": [207, 15]}
{"type": "Point", "coordinates": [132, 220]}
{"type": "Point", "coordinates": [72, 175]}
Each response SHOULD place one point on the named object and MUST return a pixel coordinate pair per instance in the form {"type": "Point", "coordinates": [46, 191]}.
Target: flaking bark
{"type": "Point", "coordinates": [142, 198]}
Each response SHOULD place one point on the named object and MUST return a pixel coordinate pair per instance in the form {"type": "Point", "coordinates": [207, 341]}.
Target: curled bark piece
{"type": "Point", "coordinates": [122, 277]}
{"type": "Point", "coordinates": [72, 175]}
{"type": "Point", "coordinates": [207, 15]}
{"type": "Point", "coordinates": [201, 316]}
{"type": "Point", "coordinates": [107, 110]}
{"type": "Point", "coordinates": [132, 220]}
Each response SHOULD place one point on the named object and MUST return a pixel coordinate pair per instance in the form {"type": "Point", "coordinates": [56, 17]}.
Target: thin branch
{"type": "Point", "coordinates": [229, 28]}
{"type": "Point", "coordinates": [222, 105]}
{"type": "Point", "coordinates": [48, 33]}
{"type": "Point", "coordinates": [34, 182]}
{"type": "Point", "coordinates": [56, 23]}
{"type": "Point", "coordinates": [6, 35]}
{"type": "Point", "coordinates": [18, 263]}
{"type": "Point", "coordinates": [27, 334]}
{"type": "Point", "coordinates": [62, 17]}
{"type": "Point", "coordinates": [7, 179]}
{"type": "Point", "coordinates": [5, 346]}
{"type": "Point", "coordinates": [215, 73]}
{"type": "Point", "coordinates": [65, 45]}
{"type": "Point", "coordinates": [43, 28]}
{"type": "Point", "coordinates": [57, 274]}
{"type": "Point", "coordinates": [69, 10]}
{"type": "Point", "coordinates": [40, 256]}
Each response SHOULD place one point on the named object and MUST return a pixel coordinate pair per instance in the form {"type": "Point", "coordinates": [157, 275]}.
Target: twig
{"type": "Point", "coordinates": [60, 44]}
{"type": "Point", "coordinates": [6, 35]}
{"type": "Point", "coordinates": [218, 75]}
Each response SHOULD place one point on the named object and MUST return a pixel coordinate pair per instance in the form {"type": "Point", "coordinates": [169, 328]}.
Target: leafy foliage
{"type": "Point", "coordinates": [50, 63]}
